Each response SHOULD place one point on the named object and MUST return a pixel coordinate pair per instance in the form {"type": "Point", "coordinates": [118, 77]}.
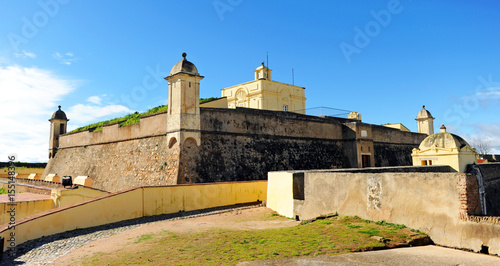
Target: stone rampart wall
{"type": "Point", "coordinates": [391, 135]}
{"type": "Point", "coordinates": [392, 154]}
{"type": "Point", "coordinates": [118, 165]}
{"type": "Point", "coordinates": [245, 144]}
{"type": "Point", "coordinates": [272, 123]}
{"type": "Point", "coordinates": [236, 144]}
{"type": "Point", "coordinates": [152, 125]}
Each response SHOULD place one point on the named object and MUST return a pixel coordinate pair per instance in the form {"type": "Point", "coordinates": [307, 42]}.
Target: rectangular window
{"type": "Point", "coordinates": [61, 129]}
{"type": "Point", "coordinates": [285, 108]}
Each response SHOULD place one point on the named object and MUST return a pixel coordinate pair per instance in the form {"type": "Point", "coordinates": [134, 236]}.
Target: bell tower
{"type": "Point", "coordinates": [262, 72]}
{"type": "Point", "coordinates": [425, 122]}
{"type": "Point", "coordinates": [183, 121]}
{"type": "Point", "coordinates": [58, 126]}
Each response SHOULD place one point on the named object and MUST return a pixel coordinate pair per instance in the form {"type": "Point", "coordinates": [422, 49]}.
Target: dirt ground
{"type": "Point", "coordinates": [247, 219]}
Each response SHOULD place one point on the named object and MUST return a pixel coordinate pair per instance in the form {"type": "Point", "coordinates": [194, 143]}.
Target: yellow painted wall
{"type": "Point", "coordinates": [136, 203]}
{"type": "Point", "coordinates": [24, 209]}
{"type": "Point", "coordinates": [22, 172]}
{"type": "Point", "coordinates": [161, 200]}
{"type": "Point", "coordinates": [280, 193]}
{"type": "Point", "coordinates": [66, 197]}
{"type": "Point", "coordinates": [218, 103]}
{"type": "Point", "coordinates": [457, 161]}
{"type": "Point", "coordinates": [397, 126]}
{"type": "Point", "coordinates": [116, 208]}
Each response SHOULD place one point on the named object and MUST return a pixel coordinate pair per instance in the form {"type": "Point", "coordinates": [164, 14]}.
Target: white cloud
{"type": "Point", "coordinates": [29, 97]}
{"type": "Point", "coordinates": [82, 114]}
{"type": "Point", "coordinates": [94, 99]}
{"type": "Point", "coordinates": [487, 133]}
{"type": "Point", "coordinates": [25, 54]}
{"type": "Point", "coordinates": [489, 93]}
{"type": "Point", "coordinates": [65, 59]}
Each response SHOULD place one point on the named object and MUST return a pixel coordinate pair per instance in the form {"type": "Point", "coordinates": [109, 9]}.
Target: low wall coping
{"type": "Point", "coordinates": [393, 169]}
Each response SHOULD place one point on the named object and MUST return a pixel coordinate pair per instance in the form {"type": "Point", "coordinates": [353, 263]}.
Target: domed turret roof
{"type": "Point", "coordinates": [444, 140]}
{"type": "Point", "coordinates": [424, 114]}
{"type": "Point", "coordinates": [184, 66]}
{"type": "Point", "coordinates": [59, 114]}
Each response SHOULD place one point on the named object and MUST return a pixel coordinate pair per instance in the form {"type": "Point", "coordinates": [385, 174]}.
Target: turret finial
{"type": "Point", "coordinates": [443, 128]}
{"type": "Point", "coordinates": [184, 55]}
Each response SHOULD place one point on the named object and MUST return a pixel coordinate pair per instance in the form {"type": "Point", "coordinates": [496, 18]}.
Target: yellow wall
{"type": "Point", "coordinates": [134, 203]}
{"type": "Point", "coordinates": [457, 160]}
{"type": "Point", "coordinates": [161, 200]}
{"type": "Point", "coordinates": [397, 126]}
{"type": "Point", "coordinates": [66, 197]}
{"type": "Point", "coordinates": [280, 193]}
{"type": "Point", "coordinates": [24, 209]}
{"type": "Point", "coordinates": [218, 103]}
{"type": "Point", "coordinates": [22, 172]}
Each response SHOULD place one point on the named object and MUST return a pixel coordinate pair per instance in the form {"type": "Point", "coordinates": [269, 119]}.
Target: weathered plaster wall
{"type": "Point", "coordinates": [438, 204]}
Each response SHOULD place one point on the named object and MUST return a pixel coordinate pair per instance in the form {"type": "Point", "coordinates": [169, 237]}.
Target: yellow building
{"type": "Point", "coordinates": [397, 126]}
{"type": "Point", "coordinates": [264, 93]}
{"type": "Point", "coordinates": [444, 149]}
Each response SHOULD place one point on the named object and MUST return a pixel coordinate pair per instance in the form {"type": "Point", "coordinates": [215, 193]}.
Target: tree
{"type": "Point", "coordinates": [483, 147]}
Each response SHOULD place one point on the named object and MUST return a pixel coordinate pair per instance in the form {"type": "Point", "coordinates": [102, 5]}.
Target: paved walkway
{"type": "Point", "coordinates": [425, 256]}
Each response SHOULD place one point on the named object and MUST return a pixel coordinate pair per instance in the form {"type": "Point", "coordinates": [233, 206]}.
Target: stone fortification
{"type": "Point", "coordinates": [236, 144]}
{"type": "Point", "coordinates": [189, 144]}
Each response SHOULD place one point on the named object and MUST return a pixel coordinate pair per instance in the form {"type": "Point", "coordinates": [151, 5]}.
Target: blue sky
{"type": "Point", "coordinates": [384, 59]}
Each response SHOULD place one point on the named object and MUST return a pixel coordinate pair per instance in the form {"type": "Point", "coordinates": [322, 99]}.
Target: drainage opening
{"type": "Point", "coordinates": [484, 249]}
{"type": "Point", "coordinates": [297, 218]}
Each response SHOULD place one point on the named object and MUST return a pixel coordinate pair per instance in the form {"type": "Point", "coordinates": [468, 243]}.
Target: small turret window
{"type": "Point", "coordinates": [61, 129]}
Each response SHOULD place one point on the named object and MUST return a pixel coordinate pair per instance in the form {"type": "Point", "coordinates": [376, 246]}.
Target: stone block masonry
{"type": "Point", "coordinates": [235, 145]}
{"type": "Point", "coordinates": [118, 165]}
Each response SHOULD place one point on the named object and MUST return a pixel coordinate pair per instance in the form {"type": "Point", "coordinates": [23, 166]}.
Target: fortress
{"type": "Point", "coordinates": [258, 133]}
{"type": "Point", "coordinates": [256, 127]}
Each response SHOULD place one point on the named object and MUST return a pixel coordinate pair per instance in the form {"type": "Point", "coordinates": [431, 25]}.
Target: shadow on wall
{"type": "Point", "coordinates": [135, 203]}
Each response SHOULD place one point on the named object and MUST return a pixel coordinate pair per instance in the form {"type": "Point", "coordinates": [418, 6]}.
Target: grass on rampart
{"type": "Point", "coordinates": [130, 118]}
{"type": "Point", "coordinates": [329, 236]}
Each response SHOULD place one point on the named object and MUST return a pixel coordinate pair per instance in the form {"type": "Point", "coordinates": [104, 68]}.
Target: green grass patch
{"type": "Point", "coordinates": [144, 238]}
{"type": "Point", "coordinates": [130, 119]}
{"type": "Point", "coordinates": [328, 236]}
